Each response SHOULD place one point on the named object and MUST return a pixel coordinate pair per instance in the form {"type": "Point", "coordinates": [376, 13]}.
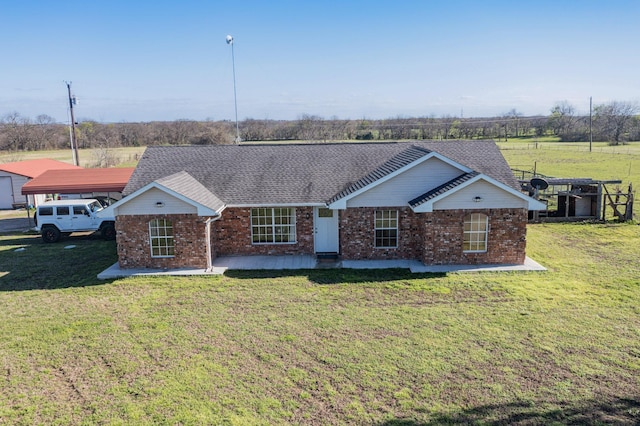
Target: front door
{"type": "Point", "coordinates": [325, 230]}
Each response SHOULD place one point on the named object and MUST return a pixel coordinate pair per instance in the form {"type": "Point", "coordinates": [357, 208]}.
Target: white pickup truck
{"type": "Point", "coordinates": [62, 217]}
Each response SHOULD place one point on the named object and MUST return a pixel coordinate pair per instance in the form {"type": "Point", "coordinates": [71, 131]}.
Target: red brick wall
{"type": "Point", "coordinates": [444, 235]}
{"type": "Point", "coordinates": [434, 238]}
{"type": "Point", "coordinates": [357, 234]}
{"type": "Point", "coordinates": [232, 234]}
{"type": "Point", "coordinates": [189, 239]}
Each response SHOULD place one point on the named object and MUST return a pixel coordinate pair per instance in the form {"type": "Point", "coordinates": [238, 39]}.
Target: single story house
{"type": "Point", "coordinates": [16, 174]}
{"type": "Point", "coordinates": [447, 202]}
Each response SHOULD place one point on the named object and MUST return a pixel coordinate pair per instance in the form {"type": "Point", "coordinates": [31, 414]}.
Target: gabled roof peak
{"type": "Point", "coordinates": [395, 163]}
{"type": "Point", "coordinates": [186, 185]}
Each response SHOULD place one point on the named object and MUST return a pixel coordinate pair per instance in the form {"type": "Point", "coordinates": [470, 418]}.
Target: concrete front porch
{"type": "Point", "coordinates": [222, 264]}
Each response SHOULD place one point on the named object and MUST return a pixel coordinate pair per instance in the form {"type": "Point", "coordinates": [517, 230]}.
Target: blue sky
{"type": "Point", "coordinates": [164, 60]}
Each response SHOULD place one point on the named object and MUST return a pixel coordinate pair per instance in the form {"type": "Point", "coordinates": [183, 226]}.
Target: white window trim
{"type": "Point", "coordinates": [476, 232]}
{"type": "Point", "coordinates": [375, 229]}
{"type": "Point", "coordinates": [166, 238]}
{"type": "Point", "coordinates": [274, 226]}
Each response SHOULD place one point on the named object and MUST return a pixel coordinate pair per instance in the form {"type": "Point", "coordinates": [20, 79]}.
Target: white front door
{"type": "Point", "coordinates": [325, 230]}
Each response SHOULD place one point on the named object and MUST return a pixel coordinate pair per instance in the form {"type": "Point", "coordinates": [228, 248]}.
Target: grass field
{"type": "Point", "coordinates": [126, 157]}
{"type": "Point", "coordinates": [574, 159]}
{"type": "Point", "coordinates": [324, 346]}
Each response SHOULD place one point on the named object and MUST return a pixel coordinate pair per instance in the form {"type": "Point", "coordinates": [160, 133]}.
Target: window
{"type": "Point", "coordinates": [322, 212]}
{"type": "Point", "coordinates": [161, 234]}
{"type": "Point", "coordinates": [386, 229]}
{"type": "Point", "coordinates": [79, 210]}
{"type": "Point", "coordinates": [273, 226]}
{"type": "Point", "coordinates": [476, 228]}
{"type": "Point", "coordinates": [45, 211]}
{"type": "Point", "coordinates": [62, 210]}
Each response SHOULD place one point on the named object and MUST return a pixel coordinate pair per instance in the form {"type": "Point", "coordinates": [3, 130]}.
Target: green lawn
{"type": "Point", "coordinates": [324, 346]}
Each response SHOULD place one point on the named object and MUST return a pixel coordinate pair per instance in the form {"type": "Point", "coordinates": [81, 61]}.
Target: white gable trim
{"type": "Point", "coordinates": [201, 209]}
{"type": "Point", "coordinates": [533, 204]}
{"type": "Point", "coordinates": [342, 202]}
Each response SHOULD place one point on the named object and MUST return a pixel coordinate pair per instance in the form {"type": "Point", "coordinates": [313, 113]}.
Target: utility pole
{"type": "Point", "coordinates": [74, 140]}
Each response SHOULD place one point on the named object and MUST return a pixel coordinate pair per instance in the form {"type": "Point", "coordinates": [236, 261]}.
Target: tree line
{"type": "Point", "coordinates": [615, 122]}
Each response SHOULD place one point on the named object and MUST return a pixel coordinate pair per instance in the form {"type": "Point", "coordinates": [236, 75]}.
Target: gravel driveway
{"type": "Point", "coordinates": [10, 223]}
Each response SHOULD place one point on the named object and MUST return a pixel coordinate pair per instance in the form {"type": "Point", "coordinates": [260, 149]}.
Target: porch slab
{"type": "Point", "coordinates": [266, 262]}
{"type": "Point", "coordinates": [114, 271]}
{"type": "Point", "coordinates": [222, 264]}
{"type": "Point", "coordinates": [528, 265]}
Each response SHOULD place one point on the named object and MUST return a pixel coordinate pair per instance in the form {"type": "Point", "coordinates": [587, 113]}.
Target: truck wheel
{"type": "Point", "coordinates": [109, 232]}
{"type": "Point", "coordinates": [50, 234]}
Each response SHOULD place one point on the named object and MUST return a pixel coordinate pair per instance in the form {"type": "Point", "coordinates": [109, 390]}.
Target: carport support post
{"type": "Point", "coordinates": [28, 212]}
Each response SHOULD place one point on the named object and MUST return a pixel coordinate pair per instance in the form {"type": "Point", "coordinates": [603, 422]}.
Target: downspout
{"type": "Point", "coordinates": [208, 240]}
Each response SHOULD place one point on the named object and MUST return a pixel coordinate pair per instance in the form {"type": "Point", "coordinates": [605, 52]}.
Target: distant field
{"type": "Point", "coordinates": [559, 159]}
{"type": "Point", "coordinates": [574, 160]}
{"type": "Point", "coordinates": [127, 157]}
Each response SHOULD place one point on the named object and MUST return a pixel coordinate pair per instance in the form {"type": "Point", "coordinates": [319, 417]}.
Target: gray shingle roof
{"type": "Point", "coordinates": [303, 173]}
{"type": "Point", "coordinates": [185, 184]}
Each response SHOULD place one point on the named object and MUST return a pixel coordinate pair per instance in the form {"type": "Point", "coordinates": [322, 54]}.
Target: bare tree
{"type": "Point", "coordinates": [16, 132]}
{"type": "Point", "coordinates": [613, 120]}
{"type": "Point", "coordinates": [447, 125]}
{"type": "Point", "coordinates": [86, 132]}
{"type": "Point", "coordinates": [44, 132]}
{"type": "Point", "coordinates": [514, 119]}
{"type": "Point", "coordinates": [562, 120]}
{"type": "Point", "coordinates": [105, 140]}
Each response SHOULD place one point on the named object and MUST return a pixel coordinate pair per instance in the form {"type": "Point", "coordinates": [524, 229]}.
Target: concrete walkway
{"type": "Point", "coordinates": [222, 264]}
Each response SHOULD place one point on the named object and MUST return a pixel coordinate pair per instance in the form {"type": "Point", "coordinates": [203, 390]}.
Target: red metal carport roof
{"type": "Point", "coordinates": [33, 168]}
{"type": "Point", "coordinates": [78, 181]}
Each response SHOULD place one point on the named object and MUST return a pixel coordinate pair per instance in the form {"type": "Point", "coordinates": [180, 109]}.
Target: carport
{"type": "Point", "coordinates": [82, 183]}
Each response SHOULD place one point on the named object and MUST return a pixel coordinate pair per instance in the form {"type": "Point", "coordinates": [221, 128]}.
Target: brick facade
{"type": "Point", "coordinates": [443, 231]}
{"type": "Point", "coordinates": [434, 238]}
{"type": "Point", "coordinates": [232, 235]}
{"type": "Point", "coordinates": [134, 251]}
{"type": "Point", "coordinates": [357, 234]}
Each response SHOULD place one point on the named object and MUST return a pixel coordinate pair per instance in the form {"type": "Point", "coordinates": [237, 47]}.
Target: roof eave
{"type": "Point", "coordinates": [427, 206]}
